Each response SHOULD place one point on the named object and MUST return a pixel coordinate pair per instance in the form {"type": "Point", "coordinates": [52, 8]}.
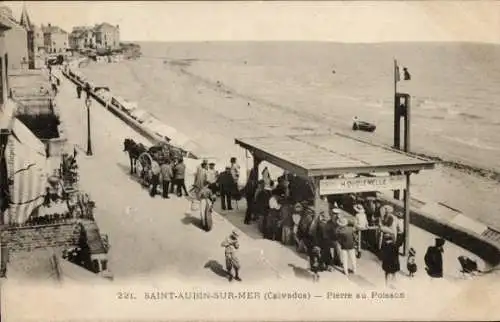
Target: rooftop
{"type": "Point", "coordinates": [53, 29]}
{"type": "Point", "coordinates": [330, 154]}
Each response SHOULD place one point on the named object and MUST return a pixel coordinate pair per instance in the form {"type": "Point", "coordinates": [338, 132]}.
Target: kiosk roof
{"type": "Point", "coordinates": [330, 154]}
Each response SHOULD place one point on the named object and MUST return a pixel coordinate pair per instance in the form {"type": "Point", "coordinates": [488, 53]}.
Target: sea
{"type": "Point", "coordinates": [454, 87]}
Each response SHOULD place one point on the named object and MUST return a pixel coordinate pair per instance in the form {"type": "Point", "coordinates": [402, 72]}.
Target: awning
{"type": "Point", "coordinates": [27, 169]}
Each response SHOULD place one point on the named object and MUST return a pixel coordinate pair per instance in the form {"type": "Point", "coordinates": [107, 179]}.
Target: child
{"type": "Point", "coordinates": [314, 261]}
{"type": "Point", "coordinates": [411, 265]}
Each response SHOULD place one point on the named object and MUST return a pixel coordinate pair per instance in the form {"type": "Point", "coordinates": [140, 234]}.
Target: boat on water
{"type": "Point", "coordinates": [358, 125]}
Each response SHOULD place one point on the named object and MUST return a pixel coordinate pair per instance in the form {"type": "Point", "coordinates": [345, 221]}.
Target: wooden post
{"type": "Point", "coordinates": [407, 213]}
{"type": "Point", "coordinates": [407, 124]}
{"type": "Point", "coordinates": [397, 117]}
{"type": "Point", "coordinates": [317, 197]}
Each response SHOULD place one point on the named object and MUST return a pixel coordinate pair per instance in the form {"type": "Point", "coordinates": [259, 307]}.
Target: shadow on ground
{"type": "Point", "coordinates": [216, 268]}
{"type": "Point", "coordinates": [301, 272]}
{"type": "Point", "coordinates": [133, 177]}
{"type": "Point", "coordinates": [192, 220]}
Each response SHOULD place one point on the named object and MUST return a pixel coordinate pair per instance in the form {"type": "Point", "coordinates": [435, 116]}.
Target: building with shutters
{"type": "Point", "coordinates": [107, 36]}
{"type": "Point", "coordinates": [55, 39]}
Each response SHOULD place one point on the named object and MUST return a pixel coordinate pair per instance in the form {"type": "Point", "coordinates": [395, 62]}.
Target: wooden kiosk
{"type": "Point", "coordinates": [324, 159]}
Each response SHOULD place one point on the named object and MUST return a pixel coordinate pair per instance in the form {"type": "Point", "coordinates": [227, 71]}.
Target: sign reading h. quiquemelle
{"type": "Point", "coordinates": [348, 185]}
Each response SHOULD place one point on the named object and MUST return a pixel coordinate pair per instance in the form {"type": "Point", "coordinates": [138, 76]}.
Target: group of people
{"type": "Point", "coordinates": [171, 174]}
{"type": "Point", "coordinates": [224, 184]}
{"type": "Point", "coordinates": [346, 224]}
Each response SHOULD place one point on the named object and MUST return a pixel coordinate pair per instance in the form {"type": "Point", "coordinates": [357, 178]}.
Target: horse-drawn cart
{"type": "Point", "coordinates": [141, 157]}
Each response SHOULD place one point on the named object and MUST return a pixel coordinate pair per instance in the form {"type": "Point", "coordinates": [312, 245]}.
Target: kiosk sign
{"type": "Point", "coordinates": [349, 185]}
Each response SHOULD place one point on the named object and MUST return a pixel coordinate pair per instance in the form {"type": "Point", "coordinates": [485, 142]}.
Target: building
{"type": "Point", "coordinates": [107, 36]}
{"type": "Point", "coordinates": [82, 37]}
{"type": "Point", "coordinates": [16, 40]}
{"type": "Point", "coordinates": [55, 39]}
{"type": "Point", "coordinates": [38, 40]}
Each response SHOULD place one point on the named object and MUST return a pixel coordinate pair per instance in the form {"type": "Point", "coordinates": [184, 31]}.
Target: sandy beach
{"type": "Point", "coordinates": [215, 95]}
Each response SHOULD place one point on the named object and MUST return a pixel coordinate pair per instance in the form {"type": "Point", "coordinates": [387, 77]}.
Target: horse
{"type": "Point", "coordinates": [134, 150]}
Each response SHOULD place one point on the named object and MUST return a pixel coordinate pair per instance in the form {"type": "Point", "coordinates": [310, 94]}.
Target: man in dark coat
{"type": "Point", "coordinates": [79, 90]}
{"type": "Point", "coordinates": [87, 89]}
{"type": "Point", "coordinates": [434, 259]}
{"type": "Point", "coordinates": [226, 183]}
{"type": "Point", "coordinates": [179, 176]}
{"type": "Point", "coordinates": [250, 189]}
{"type": "Point", "coordinates": [166, 177]}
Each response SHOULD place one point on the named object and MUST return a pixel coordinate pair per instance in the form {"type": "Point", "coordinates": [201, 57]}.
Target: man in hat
{"type": "Point", "coordinates": [345, 237]}
{"type": "Point", "coordinates": [200, 177]}
{"type": "Point", "coordinates": [166, 177]}
{"type": "Point", "coordinates": [212, 173]}
{"type": "Point", "coordinates": [226, 183]}
{"type": "Point", "coordinates": [235, 170]}
{"type": "Point", "coordinates": [155, 179]}
{"type": "Point", "coordinates": [230, 245]}
{"type": "Point", "coordinates": [179, 177]}
{"type": "Point", "coordinates": [361, 226]}
{"type": "Point", "coordinates": [434, 259]}
{"type": "Point", "coordinates": [335, 214]}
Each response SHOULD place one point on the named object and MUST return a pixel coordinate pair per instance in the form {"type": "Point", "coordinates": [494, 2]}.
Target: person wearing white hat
{"type": "Point", "coordinates": [231, 245]}
{"type": "Point", "coordinates": [345, 237]}
{"type": "Point", "coordinates": [361, 226]}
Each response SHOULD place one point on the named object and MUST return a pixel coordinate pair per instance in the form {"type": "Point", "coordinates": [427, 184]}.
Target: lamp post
{"type": "Point", "coordinates": [89, 140]}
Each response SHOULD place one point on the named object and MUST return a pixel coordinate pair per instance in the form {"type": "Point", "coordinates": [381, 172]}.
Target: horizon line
{"type": "Point", "coordinates": [327, 41]}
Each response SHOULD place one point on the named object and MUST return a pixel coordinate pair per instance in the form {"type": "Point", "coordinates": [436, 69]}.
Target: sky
{"type": "Point", "coordinates": [339, 21]}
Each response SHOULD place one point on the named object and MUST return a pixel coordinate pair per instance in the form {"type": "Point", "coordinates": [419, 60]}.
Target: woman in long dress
{"type": "Point", "coordinates": [390, 258]}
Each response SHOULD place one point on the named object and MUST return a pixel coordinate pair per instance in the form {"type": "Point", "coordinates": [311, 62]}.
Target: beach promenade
{"type": "Point", "coordinates": [131, 217]}
{"type": "Point", "coordinates": [155, 243]}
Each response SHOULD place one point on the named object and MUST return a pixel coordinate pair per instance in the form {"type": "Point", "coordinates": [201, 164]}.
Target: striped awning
{"type": "Point", "coordinates": [27, 169]}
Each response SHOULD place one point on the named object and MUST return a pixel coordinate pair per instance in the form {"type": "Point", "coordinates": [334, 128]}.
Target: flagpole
{"type": "Point", "coordinates": [397, 120]}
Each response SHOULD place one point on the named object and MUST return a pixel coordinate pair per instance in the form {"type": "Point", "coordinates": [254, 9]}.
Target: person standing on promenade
{"type": "Point", "coordinates": [166, 177]}
{"type": "Point", "coordinates": [180, 176]}
{"type": "Point", "coordinates": [54, 86]}
{"type": "Point", "coordinates": [230, 245]}
{"type": "Point", "coordinates": [345, 237]}
{"type": "Point", "coordinates": [235, 170]}
{"type": "Point", "coordinates": [226, 183]}
{"type": "Point", "coordinates": [434, 259]}
{"type": "Point", "coordinates": [79, 91]}
{"type": "Point", "coordinates": [87, 89]}
{"type": "Point", "coordinates": [155, 178]}
{"type": "Point", "coordinates": [390, 258]}
{"type": "Point", "coordinates": [173, 183]}
{"type": "Point", "coordinates": [212, 175]}
{"type": "Point", "coordinates": [200, 178]}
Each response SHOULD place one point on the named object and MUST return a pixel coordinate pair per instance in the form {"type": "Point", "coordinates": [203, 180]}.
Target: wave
{"type": "Point", "coordinates": [469, 116]}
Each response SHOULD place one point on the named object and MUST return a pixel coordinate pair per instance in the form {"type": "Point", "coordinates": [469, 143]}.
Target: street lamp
{"type": "Point", "coordinates": [89, 141]}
